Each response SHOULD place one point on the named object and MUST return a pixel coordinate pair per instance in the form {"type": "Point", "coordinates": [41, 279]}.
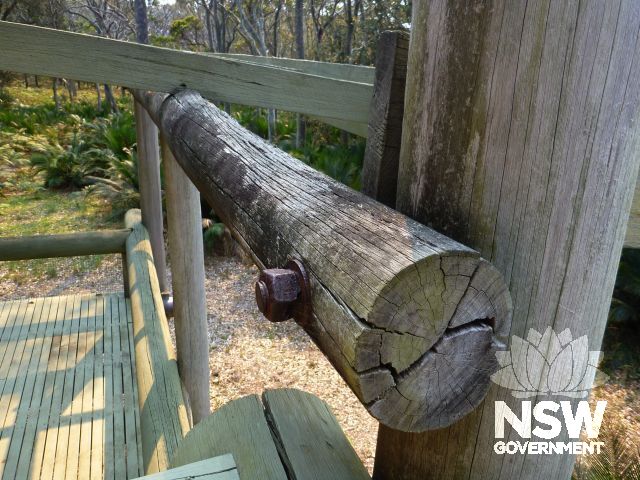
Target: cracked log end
{"type": "Point", "coordinates": [439, 325]}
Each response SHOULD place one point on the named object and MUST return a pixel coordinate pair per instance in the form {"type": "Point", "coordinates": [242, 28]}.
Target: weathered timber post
{"type": "Point", "coordinates": [184, 225]}
{"type": "Point", "coordinates": [409, 318]}
{"type": "Point", "coordinates": [520, 138]}
{"type": "Point", "coordinates": [149, 166]}
{"type": "Point", "coordinates": [150, 190]}
{"type": "Point", "coordinates": [382, 154]}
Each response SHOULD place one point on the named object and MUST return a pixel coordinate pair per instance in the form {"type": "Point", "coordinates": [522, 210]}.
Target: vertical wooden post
{"type": "Point", "coordinates": [520, 138]}
{"type": "Point", "coordinates": [382, 154]}
{"type": "Point", "coordinates": [150, 189]}
{"type": "Point", "coordinates": [184, 224]}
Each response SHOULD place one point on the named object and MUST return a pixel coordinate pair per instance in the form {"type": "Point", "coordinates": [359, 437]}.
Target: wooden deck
{"type": "Point", "coordinates": [68, 405]}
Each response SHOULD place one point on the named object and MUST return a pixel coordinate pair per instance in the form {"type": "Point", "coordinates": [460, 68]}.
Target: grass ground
{"type": "Point", "coordinates": [36, 211]}
{"type": "Point", "coordinates": [238, 335]}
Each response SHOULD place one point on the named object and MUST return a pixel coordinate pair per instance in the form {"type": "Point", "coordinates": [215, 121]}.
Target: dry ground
{"type": "Point", "coordinates": [249, 354]}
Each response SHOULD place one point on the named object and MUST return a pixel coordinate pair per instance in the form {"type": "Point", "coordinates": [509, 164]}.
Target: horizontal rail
{"type": "Point", "coordinates": [408, 317]}
{"type": "Point", "coordinates": [339, 71]}
{"type": "Point", "coordinates": [163, 413]}
{"type": "Point", "coordinates": [63, 245]}
{"type": "Point", "coordinates": [56, 53]}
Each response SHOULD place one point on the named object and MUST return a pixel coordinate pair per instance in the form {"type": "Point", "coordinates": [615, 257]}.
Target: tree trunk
{"type": "Point", "coordinates": [344, 135]}
{"type": "Point", "coordinates": [56, 97]}
{"type": "Point", "coordinates": [276, 26]}
{"type": "Point", "coordinates": [72, 89]}
{"type": "Point", "coordinates": [99, 96]}
{"type": "Point", "coordinates": [111, 100]}
{"type": "Point", "coordinates": [348, 42]}
{"type": "Point", "coordinates": [271, 125]}
{"type": "Point", "coordinates": [520, 139]}
{"type": "Point", "coordinates": [142, 27]}
{"type": "Point", "coordinates": [272, 115]}
{"type": "Point", "coordinates": [209, 25]}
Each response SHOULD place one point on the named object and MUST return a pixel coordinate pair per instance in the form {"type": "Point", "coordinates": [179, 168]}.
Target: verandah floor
{"type": "Point", "coordinates": [68, 401]}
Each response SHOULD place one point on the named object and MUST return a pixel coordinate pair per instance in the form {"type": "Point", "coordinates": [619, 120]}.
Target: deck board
{"type": "Point", "coordinates": [68, 405]}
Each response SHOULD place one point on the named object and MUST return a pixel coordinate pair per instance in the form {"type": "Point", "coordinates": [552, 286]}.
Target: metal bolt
{"type": "Point", "coordinates": [283, 293]}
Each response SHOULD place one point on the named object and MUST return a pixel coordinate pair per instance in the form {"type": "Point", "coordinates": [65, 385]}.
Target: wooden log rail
{"type": "Point", "coordinates": [408, 317]}
{"type": "Point", "coordinates": [164, 417]}
{"type": "Point", "coordinates": [63, 245]}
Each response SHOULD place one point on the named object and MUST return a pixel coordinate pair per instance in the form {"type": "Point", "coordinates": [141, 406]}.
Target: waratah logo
{"type": "Point", "coordinates": [548, 364]}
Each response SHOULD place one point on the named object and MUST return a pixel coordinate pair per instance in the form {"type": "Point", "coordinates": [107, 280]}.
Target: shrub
{"type": "Point", "coordinates": [69, 167]}
{"type": "Point", "coordinates": [339, 162]}
{"type": "Point", "coordinates": [625, 306]}
{"type": "Point", "coordinates": [117, 132]}
{"type": "Point", "coordinates": [120, 187]}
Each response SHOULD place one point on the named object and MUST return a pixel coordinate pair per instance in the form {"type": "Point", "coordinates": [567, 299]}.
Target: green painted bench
{"type": "Point", "coordinates": [285, 434]}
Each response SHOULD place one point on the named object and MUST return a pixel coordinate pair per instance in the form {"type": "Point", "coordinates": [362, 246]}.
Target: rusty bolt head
{"type": "Point", "coordinates": [276, 291]}
{"type": "Point", "coordinates": [283, 293]}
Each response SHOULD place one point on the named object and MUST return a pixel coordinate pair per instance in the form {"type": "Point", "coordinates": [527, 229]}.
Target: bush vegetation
{"type": "Point", "coordinates": [77, 147]}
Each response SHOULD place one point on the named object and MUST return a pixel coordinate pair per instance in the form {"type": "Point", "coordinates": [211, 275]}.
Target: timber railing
{"type": "Point", "coordinates": [164, 413]}
{"type": "Point", "coordinates": [63, 245]}
{"type": "Point", "coordinates": [361, 100]}
{"type": "Point", "coordinates": [408, 317]}
{"type": "Point", "coordinates": [327, 93]}
{"type": "Point", "coordinates": [164, 416]}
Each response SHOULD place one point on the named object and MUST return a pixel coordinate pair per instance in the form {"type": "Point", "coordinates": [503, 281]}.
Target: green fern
{"type": "Point", "coordinates": [68, 167]}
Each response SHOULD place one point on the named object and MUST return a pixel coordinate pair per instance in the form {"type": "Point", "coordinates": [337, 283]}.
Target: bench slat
{"type": "Point", "coordinates": [310, 439]}
{"type": "Point", "coordinates": [217, 468]}
{"type": "Point", "coordinates": [238, 427]}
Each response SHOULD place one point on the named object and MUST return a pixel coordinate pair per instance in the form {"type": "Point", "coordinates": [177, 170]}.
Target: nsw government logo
{"type": "Point", "coordinates": [549, 365]}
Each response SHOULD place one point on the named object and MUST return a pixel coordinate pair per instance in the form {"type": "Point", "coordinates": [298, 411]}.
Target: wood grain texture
{"type": "Point", "coordinates": [217, 468]}
{"type": "Point", "coordinates": [290, 434]}
{"type": "Point", "coordinates": [384, 288]}
{"type": "Point", "coordinates": [163, 415]}
{"type": "Point", "coordinates": [382, 154]}
{"type": "Point", "coordinates": [58, 405]}
{"type": "Point", "coordinates": [520, 138]}
{"type": "Point", "coordinates": [148, 151]}
{"type": "Point", "coordinates": [184, 225]}
{"type": "Point", "coordinates": [42, 51]}
{"type": "Point", "coordinates": [309, 438]}
{"type": "Point", "coordinates": [238, 427]}
{"type": "Point", "coordinates": [339, 71]}
{"type": "Point", "coordinates": [63, 245]}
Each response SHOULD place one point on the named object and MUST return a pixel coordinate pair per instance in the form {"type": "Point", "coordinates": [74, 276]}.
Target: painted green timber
{"type": "Point", "coordinates": [43, 51]}
{"type": "Point", "coordinates": [238, 427]}
{"type": "Point", "coordinates": [217, 468]}
{"type": "Point", "coordinates": [63, 245]}
{"type": "Point", "coordinates": [339, 71]}
{"type": "Point", "coordinates": [163, 414]}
